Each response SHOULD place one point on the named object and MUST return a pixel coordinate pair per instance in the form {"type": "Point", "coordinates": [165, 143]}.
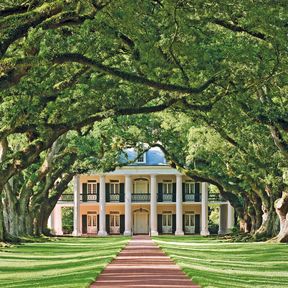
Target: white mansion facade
{"type": "Point", "coordinates": [148, 197]}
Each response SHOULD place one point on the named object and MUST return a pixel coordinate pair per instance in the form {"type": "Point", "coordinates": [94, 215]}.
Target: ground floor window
{"type": "Point", "coordinates": [91, 223]}
{"type": "Point", "coordinates": [167, 223]}
{"type": "Point", "coordinates": [114, 223]}
{"type": "Point", "coordinates": [189, 221]}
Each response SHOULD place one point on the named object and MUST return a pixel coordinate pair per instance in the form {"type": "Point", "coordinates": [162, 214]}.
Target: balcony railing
{"type": "Point", "coordinates": [190, 197]}
{"type": "Point", "coordinates": [114, 197]}
{"type": "Point", "coordinates": [66, 197]}
{"type": "Point", "coordinates": [88, 197]}
{"type": "Point", "coordinates": [140, 197]}
{"type": "Point", "coordinates": [167, 197]}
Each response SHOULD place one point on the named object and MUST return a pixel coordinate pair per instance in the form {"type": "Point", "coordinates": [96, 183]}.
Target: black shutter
{"type": "Point", "coordinates": [84, 224]}
{"type": "Point", "coordinates": [197, 224]}
{"type": "Point", "coordinates": [98, 223]}
{"type": "Point", "coordinates": [174, 192]}
{"type": "Point", "coordinates": [197, 192]}
{"type": "Point", "coordinates": [159, 223]}
{"type": "Point", "coordinates": [183, 223]}
{"type": "Point", "coordinates": [122, 192]}
{"type": "Point", "coordinates": [173, 223]}
{"type": "Point", "coordinates": [98, 189]}
{"type": "Point", "coordinates": [84, 192]}
{"type": "Point", "coordinates": [160, 192]}
{"type": "Point", "coordinates": [107, 188]}
{"type": "Point", "coordinates": [122, 224]}
{"type": "Point", "coordinates": [108, 223]}
{"type": "Point", "coordinates": [183, 192]}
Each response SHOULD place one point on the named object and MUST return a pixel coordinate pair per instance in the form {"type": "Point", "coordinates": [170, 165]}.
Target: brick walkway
{"type": "Point", "coordinates": [142, 264]}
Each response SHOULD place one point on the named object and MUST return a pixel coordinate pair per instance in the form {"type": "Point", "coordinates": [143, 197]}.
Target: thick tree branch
{"type": "Point", "coordinates": [279, 140]}
{"type": "Point", "coordinates": [20, 24]}
{"type": "Point", "coordinates": [14, 10]}
{"type": "Point", "coordinates": [236, 28]}
{"type": "Point", "coordinates": [128, 76]}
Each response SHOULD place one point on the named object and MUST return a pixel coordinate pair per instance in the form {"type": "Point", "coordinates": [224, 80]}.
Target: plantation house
{"type": "Point", "coordinates": [146, 197]}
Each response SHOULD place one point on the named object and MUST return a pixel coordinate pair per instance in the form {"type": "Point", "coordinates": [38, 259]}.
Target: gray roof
{"type": "Point", "coordinates": [154, 157]}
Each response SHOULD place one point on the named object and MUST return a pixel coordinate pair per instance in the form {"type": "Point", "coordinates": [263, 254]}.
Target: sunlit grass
{"type": "Point", "coordinates": [211, 262]}
{"type": "Point", "coordinates": [65, 262]}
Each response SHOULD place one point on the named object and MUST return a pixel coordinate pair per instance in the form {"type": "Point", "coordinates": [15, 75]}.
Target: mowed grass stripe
{"type": "Point", "coordinates": [213, 263]}
{"type": "Point", "coordinates": [68, 262]}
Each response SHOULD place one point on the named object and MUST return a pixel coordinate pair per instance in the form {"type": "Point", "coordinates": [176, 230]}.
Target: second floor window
{"type": "Point", "coordinates": [189, 188]}
{"type": "Point", "coordinates": [92, 187]}
{"type": "Point", "coordinates": [167, 187]}
{"type": "Point", "coordinates": [114, 187]}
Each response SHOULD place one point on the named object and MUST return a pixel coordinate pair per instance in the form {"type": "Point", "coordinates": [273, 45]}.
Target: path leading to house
{"type": "Point", "coordinates": [142, 264]}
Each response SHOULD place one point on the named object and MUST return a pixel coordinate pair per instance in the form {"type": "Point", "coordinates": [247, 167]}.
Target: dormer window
{"type": "Point", "coordinates": [141, 158]}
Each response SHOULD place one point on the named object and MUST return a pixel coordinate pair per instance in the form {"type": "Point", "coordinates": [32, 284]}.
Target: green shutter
{"type": "Point", "coordinates": [174, 192]}
{"type": "Point", "coordinates": [98, 189]}
{"type": "Point", "coordinates": [160, 192]}
{"type": "Point", "coordinates": [197, 224]}
{"type": "Point", "coordinates": [183, 192]}
{"type": "Point", "coordinates": [173, 223]}
{"type": "Point", "coordinates": [197, 192]}
{"type": "Point", "coordinates": [122, 224]}
{"type": "Point", "coordinates": [183, 223]}
{"type": "Point", "coordinates": [84, 224]}
{"type": "Point", "coordinates": [84, 192]}
{"type": "Point", "coordinates": [159, 223]}
{"type": "Point", "coordinates": [107, 188]}
{"type": "Point", "coordinates": [108, 223]}
{"type": "Point", "coordinates": [122, 192]}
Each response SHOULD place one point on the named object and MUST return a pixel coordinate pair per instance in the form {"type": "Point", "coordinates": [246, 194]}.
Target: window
{"type": "Point", "coordinates": [190, 188]}
{"type": "Point", "coordinates": [167, 187]}
{"type": "Point", "coordinates": [167, 220]}
{"type": "Point", "coordinates": [141, 158]}
{"type": "Point", "coordinates": [189, 220]}
{"type": "Point", "coordinates": [92, 187]}
{"type": "Point", "coordinates": [141, 186]}
{"type": "Point", "coordinates": [114, 187]}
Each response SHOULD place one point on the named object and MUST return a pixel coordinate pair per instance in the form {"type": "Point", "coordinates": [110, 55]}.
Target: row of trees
{"type": "Point", "coordinates": [72, 74]}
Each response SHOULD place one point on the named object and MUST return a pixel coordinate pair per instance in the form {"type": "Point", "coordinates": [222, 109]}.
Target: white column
{"type": "Point", "coordinates": [222, 219]}
{"type": "Point", "coordinates": [51, 222]}
{"type": "Point", "coordinates": [153, 205]}
{"type": "Point", "coordinates": [58, 219]}
{"type": "Point", "coordinates": [76, 214]}
{"type": "Point", "coordinates": [230, 218]}
{"type": "Point", "coordinates": [102, 207]}
{"type": "Point", "coordinates": [204, 209]}
{"type": "Point", "coordinates": [179, 210]}
{"type": "Point", "coordinates": [128, 206]}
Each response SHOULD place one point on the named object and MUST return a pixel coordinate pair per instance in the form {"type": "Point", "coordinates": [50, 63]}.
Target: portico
{"type": "Point", "coordinates": [142, 199]}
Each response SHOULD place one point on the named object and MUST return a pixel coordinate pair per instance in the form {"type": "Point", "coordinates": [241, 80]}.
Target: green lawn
{"type": "Point", "coordinates": [212, 263]}
{"type": "Point", "coordinates": [66, 262]}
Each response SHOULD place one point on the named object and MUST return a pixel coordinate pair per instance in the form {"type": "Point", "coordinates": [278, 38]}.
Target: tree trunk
{"type": "Point", "coordinates": [270, 225]}
{"type": "Point", "coordinates": [1, 221]}
{"type": "Point", "coordinates": [281, 206]}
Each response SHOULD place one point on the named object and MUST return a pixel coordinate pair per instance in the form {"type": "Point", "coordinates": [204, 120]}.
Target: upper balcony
{"type": "Point", "coordinates": [141, 197]}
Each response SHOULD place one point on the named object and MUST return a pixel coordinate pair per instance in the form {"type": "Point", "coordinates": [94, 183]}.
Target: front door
{"type": "Point", "coordinates": [167, 223]}
{"type": "Point", "coordinates": [141, 223]}
{"type": "Point", "coordinates": [114, 224]}
{"type": "Point", "coordinates": [189, 220]}
{"type": "Point", "coordinates": [91, 223]}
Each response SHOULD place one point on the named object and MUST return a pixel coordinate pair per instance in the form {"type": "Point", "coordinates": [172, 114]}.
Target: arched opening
{"type": "Point", "coordinates": [141, 221]}
{"type": "Point", "coordinates": [141, 186]}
